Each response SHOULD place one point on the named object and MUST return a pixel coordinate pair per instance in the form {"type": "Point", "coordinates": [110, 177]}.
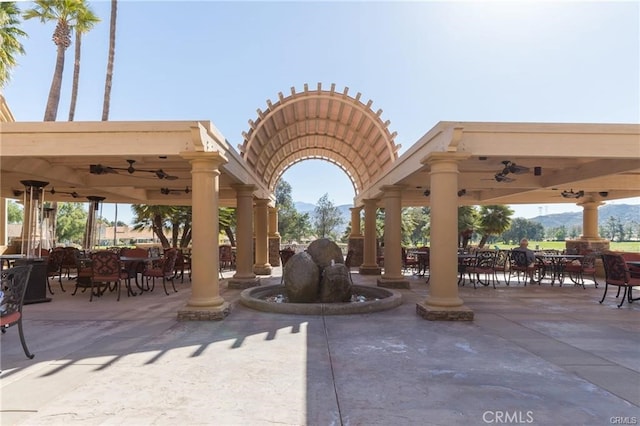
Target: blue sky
{"type": "Point", "coordinates": [420, 62]}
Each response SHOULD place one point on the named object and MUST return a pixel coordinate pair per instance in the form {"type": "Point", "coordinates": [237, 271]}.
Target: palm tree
{"type": "Point", "coordinates": [67, 14]}
{"type": "Point", "coordinates": [494, 220]}
{"type": "Point", "coordinates": [467, 218]}
{"type": "Point", "coordinates": [84, 24]}
{"type": "Point", "coordinates": [112, 51]}
{"type": "Point", "coordinates": [9, 40]}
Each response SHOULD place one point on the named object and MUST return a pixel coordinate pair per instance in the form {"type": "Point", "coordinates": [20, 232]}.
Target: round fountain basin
{"type": "Point", "coordinates": [377, 299]}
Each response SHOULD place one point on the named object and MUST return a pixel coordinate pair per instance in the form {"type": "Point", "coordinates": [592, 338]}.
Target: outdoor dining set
{"type": "Point", "coordinates": [483, 267]}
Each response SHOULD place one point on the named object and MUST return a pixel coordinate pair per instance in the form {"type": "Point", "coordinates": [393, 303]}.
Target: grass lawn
{"type": "Point", "coordinates": [633, 246]}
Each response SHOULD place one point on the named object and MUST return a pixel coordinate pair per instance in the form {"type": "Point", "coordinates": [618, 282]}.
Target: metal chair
{"type": "Point", "coordinates": [484, 264]}
{"type": "Point", "coordinates": [584, 265]}
{"type": "Point", "coordinates": [617, 273]}
{"type": "Point", "coordinates": [13, 286]}
{"type": "Point", "coordinates": [54, 266]}
{"type": "Point", "coordinates": [106, 269]}
{"type": "Point", "coordinates": [164, 270]}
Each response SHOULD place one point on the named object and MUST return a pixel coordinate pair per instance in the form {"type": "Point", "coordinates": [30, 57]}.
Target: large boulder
{"type": "Point", "coordinates": [323, 251]}
{"type": "Point", "coordinates": [335, 285]}
{"type": "Point", "coordinates": [301, 279]}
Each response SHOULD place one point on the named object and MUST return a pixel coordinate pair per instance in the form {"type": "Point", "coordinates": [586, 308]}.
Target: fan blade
{"type": "Point", "coordinates": [99, 169]}
{"type": "Point", "coordinates": [161, 174]}
{"type": "Point", "coordinates": [518, 170]}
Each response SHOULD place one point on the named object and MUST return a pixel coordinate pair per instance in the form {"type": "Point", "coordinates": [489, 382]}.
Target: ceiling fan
{"type": "Point", "coordinates": [509, 168]}
{"type": "Point", "coordinates": [99, 169]}
{"type": "Point", "coordinates": [572, 194]}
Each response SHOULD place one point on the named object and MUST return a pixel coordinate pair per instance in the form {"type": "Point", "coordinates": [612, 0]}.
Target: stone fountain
{"type": "Point", "coordinates": [317, 281]}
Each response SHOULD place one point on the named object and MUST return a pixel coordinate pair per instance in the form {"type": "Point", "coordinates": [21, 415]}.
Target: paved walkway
{"type": "Point", "coordinates": [533, 355]}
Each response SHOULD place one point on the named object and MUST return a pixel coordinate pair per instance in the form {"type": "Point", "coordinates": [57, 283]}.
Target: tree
{"type": "Point", "coordinates": [106, 104]}
{"type": "Point", "coordinates": [227, 223]}
{"type": "Point", "coordinates": [494, 220]}
{"type": "Point", "coordinates": [66, 14]}
{"type": "Point", "coordinates": [72, 220]}
{"type": "Point", "coordinates": [9, 40]}
{"type": "Point", "coordinates": [467, 218]}
{"type": "Point", "coordinates": [15, 213]}
{"type": "Point", "coordinates": [154, 218]}
{"type": "Point", "coordinates": [416, 225]}
{"type": "Point", "coordinates": [292, 225]}
{"type": "Point", "coordinates": [84, 24]}
{"type": "Point", "coordinates": [327, 218]}
{"type": "Point", "coordinates": [523, 228]}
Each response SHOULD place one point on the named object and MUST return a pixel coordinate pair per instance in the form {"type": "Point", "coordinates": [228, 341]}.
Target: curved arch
{"type": "Point", "coordinates": [320, 124]}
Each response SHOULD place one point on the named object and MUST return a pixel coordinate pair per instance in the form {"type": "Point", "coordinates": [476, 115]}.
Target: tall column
{"type": "Point", "coordinates": [392, 276]}
{"type": "Point", "coordinates": [369, 265]}
{"type": "Point", "coordinates": [274, 237]}
{"type": "Point", "coordinates": [356, 239]}
{"type": "Point", "coordinates": [244, 276]}
{"type": "Point", "coordinates": [3, 224]}
{"type": "Point", "coordinates": [590, 239]}
{"type": "Point", "coordinates": [443, 302]}
{"type": "Point", "coordinates": [355, 221]}
{"type": "Point", "coordinates": [590, 219]}
{"type": "Point", "coordinates": [205, 302]}
{"type": "Point", "coordinates": [262, 266]}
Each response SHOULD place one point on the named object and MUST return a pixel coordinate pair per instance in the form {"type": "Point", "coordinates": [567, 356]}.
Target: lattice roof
{"type": "Point", "coordinates": [320, 124]}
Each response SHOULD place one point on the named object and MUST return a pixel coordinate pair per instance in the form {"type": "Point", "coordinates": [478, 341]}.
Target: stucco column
{"type": "Point", "coordinates": [262, 265]}
{"type": "Point", "coordinates": [356, 239]}
{"type": "Point", "coordinates": [274, 237]}
{"type": "Point", "coordinates": [205, 302]}
{"type": "Point", "coordinates": [3, 224]}
{"type": "Point", "coordinates": [355, 222]}
{"type": "Point", "coordinates": [392, 276]}
{"type": "Point", "coordinates": [244, 276]}
{"type": "Point", "coordinates": [590, 219]}
{"type": "Point", "coordinates": [590, 239]}
{"type": "Point", "coordinates": [369, 265]}
{"type": "Point", "coordinates": [443, 302]}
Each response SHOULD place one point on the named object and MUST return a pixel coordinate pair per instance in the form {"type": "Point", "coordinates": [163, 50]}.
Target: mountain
{"type": "Point", "coordinates": [626, 213]}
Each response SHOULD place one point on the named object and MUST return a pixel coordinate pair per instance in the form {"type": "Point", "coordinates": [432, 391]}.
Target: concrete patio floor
{"type": "Point", "coordinates": [533, 355]}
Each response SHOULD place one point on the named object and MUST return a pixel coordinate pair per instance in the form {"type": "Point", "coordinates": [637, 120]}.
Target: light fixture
{"type": "Point", "coordinates": [99, 169]}
{"type": "Point", "coordinates": [74, 194]}
{"type": "Point", "coordinates": [603, 194]}
{"type": "Point", "coordinates": [96, 200]}
{"type": "Point", "coordinates": [427, 192]}
{"type": "Point", "coordinates": [571, 194]}
{"type": "Point", "coordinates": [167, 191]}
{"type": "Point", "coordinates": [537, 171]}
{"type": "Point", "coordinates": [462, 192]}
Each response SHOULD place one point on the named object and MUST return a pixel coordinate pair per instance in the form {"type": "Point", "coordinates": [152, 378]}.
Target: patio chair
{"type": "Point", "coordinates": [484, 265]}
{"type": "Point", "coordinates": [518, 265]}
{"type": "Point", "coordinates": [106, 269]}
{"type": "Point", "coordinates": [617, 274]}
{"type": "Point", "coordinates": [54, 266]}
{"type": "Point", "coordinates": [501, 265]}
{"type": "Point", "coordinates": [409, 262]}
{"type": "Point", "coordinates": [183, 262]}
{"type": "Point", "coordinates": [13, 286]}
{"type": "Point", "coordinates": [70, 260]}
{"type": "Point", "coordinates": [165, 270]}
{"type": "Point", "coordinates": [577, 269]}
{"type": "Point", "coordinates": [226, 257]}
